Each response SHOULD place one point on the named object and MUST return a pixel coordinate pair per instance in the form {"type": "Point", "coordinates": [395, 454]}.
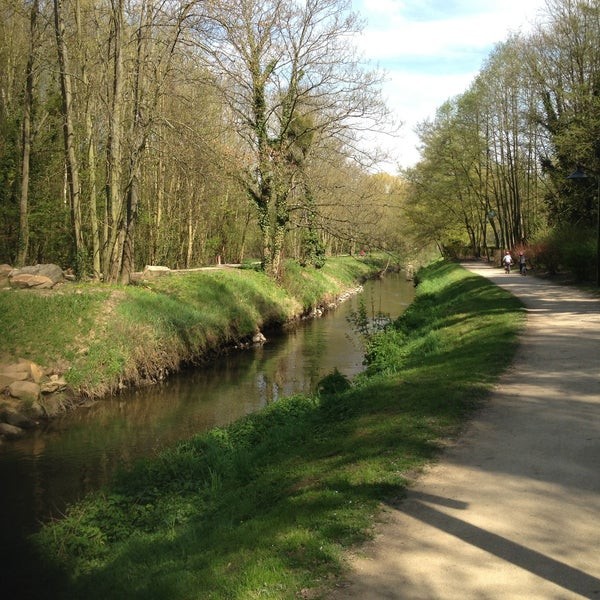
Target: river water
{"type": "Point", "coordinates": [78, 452]}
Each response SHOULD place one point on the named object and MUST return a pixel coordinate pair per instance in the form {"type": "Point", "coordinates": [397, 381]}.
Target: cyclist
{"type": "Point", "coordinates": [507, 261]}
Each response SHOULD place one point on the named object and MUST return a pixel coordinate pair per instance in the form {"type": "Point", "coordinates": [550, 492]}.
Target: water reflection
{"type": "Point", "coordinates": [79, 452]}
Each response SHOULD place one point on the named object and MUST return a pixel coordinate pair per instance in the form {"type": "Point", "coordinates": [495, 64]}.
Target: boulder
{"type": "Point", "coordinates": [36, 373]}
{"type": "Point", "coordinates": [35, 411]}
{"type": "Point", "coordinates": [25, 280]}
{"type": "Point", "coordinates": [258, 338]}
{"type": "Point", "coordinates": [12, 373]}
{"type": "Point", "coordinates": [151, 271]}
{"type": "Point", "coordinates": [53, 272]}
{"type": "Point", "coordinates": [16, 418]}
{"type": "Point", "coordinates": [25, 390]}
{"type": "Point", "coordinates": [23, 405]}
{"type": "Point", "coordinates": [56, 384]}
{"type": "Point", "coordinates": [38, 276]}
{"type": "Point", "coordinates": [5, 381]}
{"type": "Point", "coordinates": [10, 432]}
{"type": "Point", "coordinates": [55, 404]}
{"type": "Point", "coordinates": [4, 272]}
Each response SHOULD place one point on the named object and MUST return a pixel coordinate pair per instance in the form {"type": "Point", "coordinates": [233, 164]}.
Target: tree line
{"type": "Point", "coordinates": [496, 159]}
{"type": "Point", "coordinates": [182, 132]}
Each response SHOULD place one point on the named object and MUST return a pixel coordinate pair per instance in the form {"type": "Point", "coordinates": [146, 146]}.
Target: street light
{"type": "Point", "coordinates": [578, 175]}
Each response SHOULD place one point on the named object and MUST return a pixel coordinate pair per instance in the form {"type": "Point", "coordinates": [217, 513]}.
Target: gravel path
{"type": "Point", "coordinates": [512, 509]}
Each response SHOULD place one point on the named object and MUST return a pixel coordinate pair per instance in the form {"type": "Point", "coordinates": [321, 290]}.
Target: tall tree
{"type": "Point", "coordinates": [27, 135]}
{"type": "Point", "coordinates": [71, 160]}
{"type": "Point", "coordinates": [274, 59]}
{"type": "Point", "coordinates": [563, 64]}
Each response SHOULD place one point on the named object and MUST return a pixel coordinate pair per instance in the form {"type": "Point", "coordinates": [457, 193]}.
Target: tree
{"type": "Point", "coordinates": [563, 64]}
{"type": "Point", "coordinates": [27, 136]}
{"type": "Point", "coordinates": [71, 161]}
{"type": "Point", "coordinates": [481, 162]}
{"type": "Point", "coordinates": [284, 66]}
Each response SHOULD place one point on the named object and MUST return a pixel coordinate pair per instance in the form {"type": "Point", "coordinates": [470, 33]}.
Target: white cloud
{"type": "Point", "coordinates": [431, 51]}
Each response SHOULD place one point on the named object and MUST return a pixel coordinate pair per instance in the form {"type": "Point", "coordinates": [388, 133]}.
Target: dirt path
{"type": "Point", "coordinates": [512, 510]}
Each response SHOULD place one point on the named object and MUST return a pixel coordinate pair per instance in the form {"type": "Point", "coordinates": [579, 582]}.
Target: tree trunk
{"type": "Point", "coordinates": [69, 136]}
{"type": "Point", "coordinates": [90, 136]}
{"type": "Point", "coordinates": [115, 204]}
{"type": "Point", "coordinates": [27, 139]}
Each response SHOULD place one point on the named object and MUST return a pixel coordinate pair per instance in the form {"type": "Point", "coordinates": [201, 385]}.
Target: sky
{"type": "Point", "coordinates": [431, 51]}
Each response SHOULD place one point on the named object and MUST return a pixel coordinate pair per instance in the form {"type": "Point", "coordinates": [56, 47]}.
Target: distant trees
{"type": "Point", "coordinates": [496, 158]}
{"type": "Point", "coordinates": [563, 65]}
{"type": "Point", "coordinates": [139, 131]}
{"type": "Point", "coordinates": [479, 181]}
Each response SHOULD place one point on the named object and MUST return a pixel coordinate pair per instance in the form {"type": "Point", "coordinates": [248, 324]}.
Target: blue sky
{"type": "Point", "coordinates": [431, 51]}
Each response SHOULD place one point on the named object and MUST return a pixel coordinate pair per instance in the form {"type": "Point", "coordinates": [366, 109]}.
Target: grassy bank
{"type": "Point", "coordinates": [104, 337]}
{"type": "Point", "coordinates": [267, 507]}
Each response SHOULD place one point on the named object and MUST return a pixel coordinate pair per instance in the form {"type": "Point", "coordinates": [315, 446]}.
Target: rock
{"type": "Point", "coordinates": [38, 276]}
{"type": "Point", "coordinates": [17, 419]}
{"type": "Point", "coordinates": [55, 405]}
{"type": "Point", "coordinates": [5, 381]}
{"type": "Point", "coordinates": [4, 272]}
{"type": "Point", "coordinates": [258, 338]}
{"type": "Point", "coordinates": [25, 390]}
{"type": "Point", "coordinates": [13, 373]}
{"type": "Point", "coordinates": [24, 280]}
{"type": "Point", "coordinates": [24, 382]}
{"type": "Point", "coordinates": [10, 432]}
{"type": "Point", "coordinates": [53, 272]}
{"type": "Point", "coordinates": [36, 373]}
{"type": "Point", "coordinates": [36, 411]}
{"type": "Point", "coordinates": [69, 275]}
{"type": "Point", "coordinates": [155, 271]}
{"type": "Point", "coordinates": [56, 384]}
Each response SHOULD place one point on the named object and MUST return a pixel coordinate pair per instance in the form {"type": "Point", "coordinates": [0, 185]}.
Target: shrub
{"type": "Point", "coordinates": [568, 247]}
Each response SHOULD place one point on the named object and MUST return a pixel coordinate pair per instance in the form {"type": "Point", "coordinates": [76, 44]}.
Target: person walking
{"type": "Point", "coordinates": [522, 264]}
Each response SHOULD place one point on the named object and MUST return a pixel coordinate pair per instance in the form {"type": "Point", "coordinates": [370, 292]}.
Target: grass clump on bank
{"type": "Point", "coordinates": [104, 337]}
{"type": "Point", "coordinates": [268, 506]}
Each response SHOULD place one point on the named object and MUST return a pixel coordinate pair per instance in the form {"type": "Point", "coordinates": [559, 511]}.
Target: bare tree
{"type": "Point", "coordinates": [27, 136]}
{"type": "Point", "coordinates": [277, 61]}
{"type": "Point", "coordinates": [71, 162]}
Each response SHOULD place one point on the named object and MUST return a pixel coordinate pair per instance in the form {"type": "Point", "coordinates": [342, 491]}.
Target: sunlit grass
{"type": "Point", "coordinates": [105, 337]}
{"type": "Point", "coordinates": [269, 505]}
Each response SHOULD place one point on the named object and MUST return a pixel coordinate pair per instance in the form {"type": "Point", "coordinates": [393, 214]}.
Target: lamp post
{"type": "Point", "coordinates": [578, 175]}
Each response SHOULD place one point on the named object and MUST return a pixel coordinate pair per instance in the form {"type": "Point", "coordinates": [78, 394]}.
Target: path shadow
{"type": "Point", "coordinates": [418, 505]}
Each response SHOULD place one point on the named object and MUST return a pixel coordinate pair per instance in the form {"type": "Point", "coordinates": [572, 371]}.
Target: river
{"type": "Point", "coordinates": [78, 452]}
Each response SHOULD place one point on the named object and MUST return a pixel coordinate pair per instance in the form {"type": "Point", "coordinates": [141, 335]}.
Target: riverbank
{"type": "Point", "coordinates": [269, 506]}
{"type": "Point", "coordinates": [84, 341]}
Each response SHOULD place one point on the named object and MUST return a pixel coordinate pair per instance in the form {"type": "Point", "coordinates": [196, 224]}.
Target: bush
{"type": "Point", "coordinates": [333, 384]}
{"type": "Point", "coordinates": [567, 248]}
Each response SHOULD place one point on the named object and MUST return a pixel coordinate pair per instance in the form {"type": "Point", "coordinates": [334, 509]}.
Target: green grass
{"type": "Point", "coordinates": [105, 337]}
{"type": "Point", "coordinates": [312, 286]}
{"type": "Point", "coordinates": [271, 504]}
{"type": "Point", "coordinates": [42, 325]}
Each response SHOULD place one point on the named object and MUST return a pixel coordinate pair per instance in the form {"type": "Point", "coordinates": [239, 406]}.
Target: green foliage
{"type": "Point", "coordinates": [366, 324]}
{"type": "Point", "coordinates": [313, 250]}
{"type": "Point", "coordinates": [268, 505]}
{"type": "Point", "coordinates": [333, 384]}
{"type": "Point", "coordinates": [314, 286]}
{"type": "Point", "coordinates": [446, 299]}
{"type": "Point", "coordinates": [359, 319]}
